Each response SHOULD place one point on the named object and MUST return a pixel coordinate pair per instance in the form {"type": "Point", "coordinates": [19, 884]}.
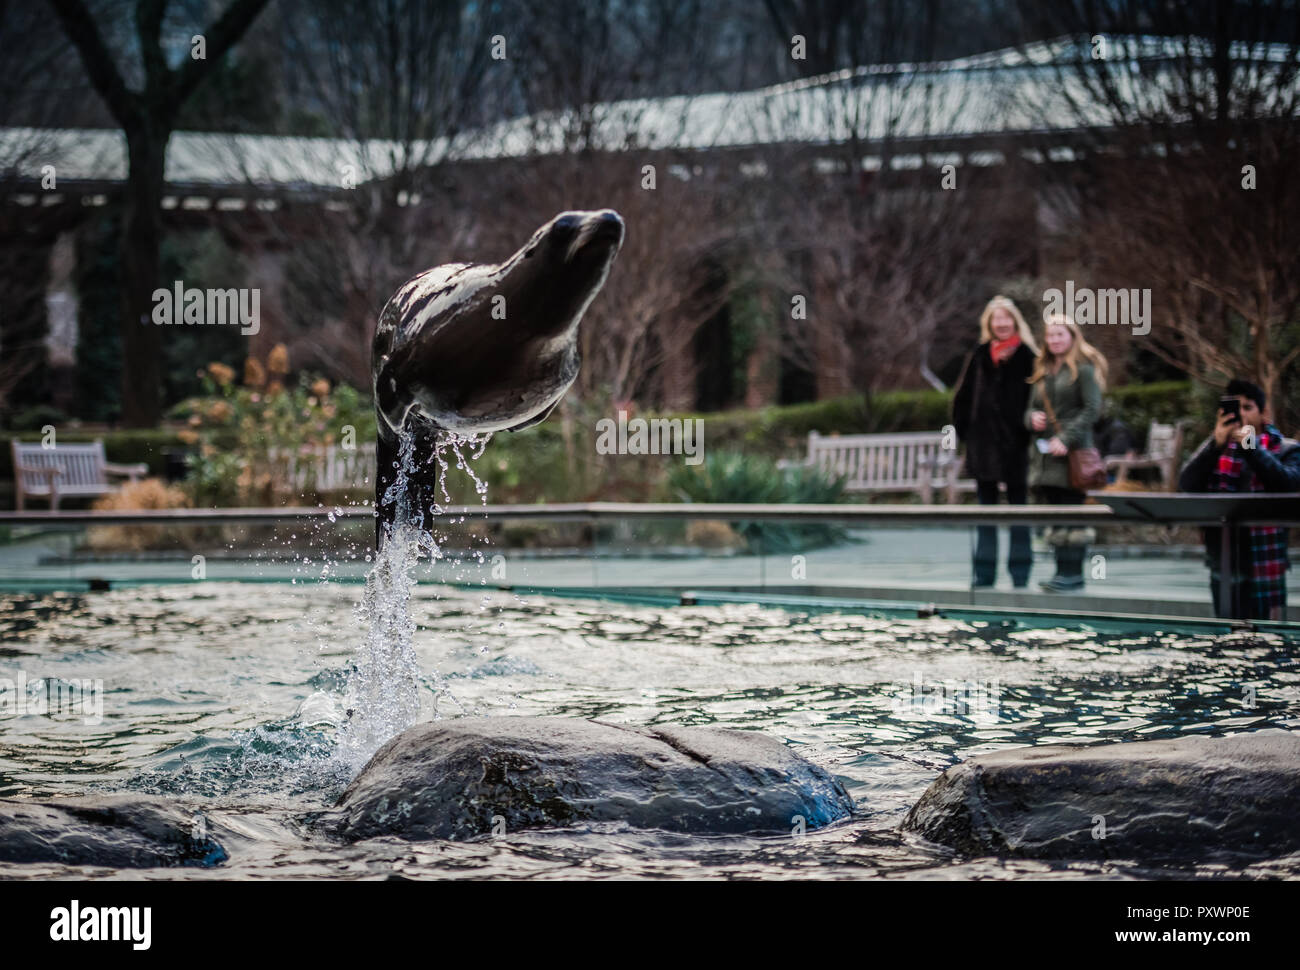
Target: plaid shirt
{"type": "Point", "coordinates": [1258, 554]}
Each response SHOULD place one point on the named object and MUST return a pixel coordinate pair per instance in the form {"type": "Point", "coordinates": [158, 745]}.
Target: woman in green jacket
{"type": "Point", "coordinates": [1072, 375]}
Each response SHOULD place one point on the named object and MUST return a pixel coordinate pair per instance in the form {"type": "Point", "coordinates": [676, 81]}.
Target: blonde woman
{"type": "Point", "coordinates": [988, 413]}
{"type": "Point", "coordinates": [1071, 374]}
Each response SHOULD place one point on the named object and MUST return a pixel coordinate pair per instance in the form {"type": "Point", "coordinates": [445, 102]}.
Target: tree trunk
{"type": "Point", "coordinates": [140, 243]}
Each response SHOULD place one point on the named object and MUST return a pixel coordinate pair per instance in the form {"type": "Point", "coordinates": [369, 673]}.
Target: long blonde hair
{"type": "Point", "coordinates": [1002, 303]}
{"type": "Point", "coordinates": [1079, 347]}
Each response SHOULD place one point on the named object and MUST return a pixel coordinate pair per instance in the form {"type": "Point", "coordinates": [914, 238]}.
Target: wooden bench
{"type": "Point", "coordinates": [913, 461]}
{"type": "Point", "coordinates": [1164, 446]}
{"type": "Point", "coordinates": [72, 470]}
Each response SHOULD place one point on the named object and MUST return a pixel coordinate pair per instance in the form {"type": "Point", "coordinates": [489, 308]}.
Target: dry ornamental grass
{"type": "Point", "coordinates": [152, 493]}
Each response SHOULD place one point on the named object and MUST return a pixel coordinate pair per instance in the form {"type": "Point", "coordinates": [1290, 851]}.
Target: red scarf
{"type": "Point", "coordinates": [1000, 350]}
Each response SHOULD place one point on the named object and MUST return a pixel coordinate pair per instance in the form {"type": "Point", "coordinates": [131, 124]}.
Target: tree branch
{"type": "Point", "coordinates": [148, 28]}
{"type": "Point", "coordinates": [84, 34]}
{"type": "Point", "coordinates": [220, 37]}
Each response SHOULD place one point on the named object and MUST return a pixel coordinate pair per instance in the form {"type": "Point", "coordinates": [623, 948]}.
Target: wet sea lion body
{"type": "Point", "coordinates": [470, 348]}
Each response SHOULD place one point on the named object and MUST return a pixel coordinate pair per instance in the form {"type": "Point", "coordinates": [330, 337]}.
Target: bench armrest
{"type": "Point", "coordinates": [1139, 461]}
{"type": "Point", "coordinates": [133, 472]}
{"type": "Point", "coordinates": [50, 473]}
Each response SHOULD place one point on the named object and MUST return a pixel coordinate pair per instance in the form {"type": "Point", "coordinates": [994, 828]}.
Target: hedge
{"type": "Point", "coordinates": [782, 431]}
{"type": "Point", "coordinates": [1137, 405]}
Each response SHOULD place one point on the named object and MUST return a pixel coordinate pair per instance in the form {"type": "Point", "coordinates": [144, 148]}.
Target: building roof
{"type": "Point", "coordinates": [1003, 93]}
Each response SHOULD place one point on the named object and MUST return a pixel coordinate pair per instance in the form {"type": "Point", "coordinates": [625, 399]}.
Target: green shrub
{"type": "Point", "coordinates": [1140, 404]}
{"type": "Point", "coordinates": [35, 418]}
{"type": "Point", "coordinates": [909, 411]}
{"type": "Point", "coordinates": [246, 434]}
{"type": "Point", "coordinates": [782, 431]}
{"type": "Point", "coordinates": [526, 466]}
{"type": "Point", "coordinates": [1137, 405]}
{"type": "Point", "coordinates": [730, 477]}
{"type": "Point", "coordinates": [778, 432]}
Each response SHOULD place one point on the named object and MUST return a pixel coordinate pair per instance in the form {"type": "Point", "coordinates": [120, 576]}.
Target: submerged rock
{"type": "Point", "coordinates": [457, 779]}
{"type": "Point", "coordinates": [122, 831]}
{"type": "Point", "coordinates": [1187, 798]}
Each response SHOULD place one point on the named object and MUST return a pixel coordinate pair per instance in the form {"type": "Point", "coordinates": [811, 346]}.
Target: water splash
{"type": "Point", "coordinates": [384, 691]}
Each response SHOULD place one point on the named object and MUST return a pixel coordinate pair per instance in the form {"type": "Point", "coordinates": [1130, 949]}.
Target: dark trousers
{"type": "Point", "coordinates": [1243, 606]}
{"type": "Point", "coordinates": [1021, 557]}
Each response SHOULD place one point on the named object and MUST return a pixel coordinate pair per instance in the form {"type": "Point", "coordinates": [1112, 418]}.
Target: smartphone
{"type": "Point", "coordinates": [1231, 406]}
{"type": "Point", "coordinates": [1043, 445]}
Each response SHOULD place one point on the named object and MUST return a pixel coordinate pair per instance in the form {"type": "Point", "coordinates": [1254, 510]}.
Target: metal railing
{"type": "Point", "coordinates": [1212, 509]}
{"type": "Point", "coordinates": [604, 511]}
{"type": "Point", "coordinates": [611, 531]}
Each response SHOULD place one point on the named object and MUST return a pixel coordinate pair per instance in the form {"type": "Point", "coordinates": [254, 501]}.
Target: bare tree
{"type": "Point", "coordinates": [636, 339]}
{"type": "Point", "coordinates": [887, 247]}
{"type": "Point", "coordinates": [34, 86]}
{"type": "Point", "coordinates": [147, 116]}
{"type": "Point", "coordinates": [22, 348]}
{"type": "Point", "coordinates": [600, 140]}
{"type": "Point", "coordinates": [437, 178]}
{"type": "Point", "coordinates": [394, 88]}
{"type": "Point", "coordinates": [1187, 138]}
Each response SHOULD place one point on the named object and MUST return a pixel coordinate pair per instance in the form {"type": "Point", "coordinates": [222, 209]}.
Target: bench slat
{"type": "Point", "coordinates": [893, 462]}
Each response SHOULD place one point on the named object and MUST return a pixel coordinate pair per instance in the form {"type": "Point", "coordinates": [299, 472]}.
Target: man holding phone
{"type": "Point", "coordinates": [1246, 454]}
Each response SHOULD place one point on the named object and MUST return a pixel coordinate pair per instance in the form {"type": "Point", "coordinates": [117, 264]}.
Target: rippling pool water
{"type": "Point", "coordinates": [229, 697]}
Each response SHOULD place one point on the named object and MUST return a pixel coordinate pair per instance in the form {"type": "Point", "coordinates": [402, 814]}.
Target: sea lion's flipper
{"type": "Point", "coordinates": [535, 419]}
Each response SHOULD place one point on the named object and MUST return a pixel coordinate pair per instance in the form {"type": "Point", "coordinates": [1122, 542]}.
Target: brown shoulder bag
{"type": "Point", "coordinates": [1087, 470]}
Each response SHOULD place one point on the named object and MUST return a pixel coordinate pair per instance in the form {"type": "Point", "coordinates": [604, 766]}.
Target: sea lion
{"type": "Point", "coordinates": [469, 348]}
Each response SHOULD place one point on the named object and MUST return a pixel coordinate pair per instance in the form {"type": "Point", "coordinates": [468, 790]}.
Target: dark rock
{"type": "Point", "coordinates": [122, 831]}
{"type": "Point", "coordinates": [450, 779]}
{"type": "Point", "coordinates": [1192, 798]}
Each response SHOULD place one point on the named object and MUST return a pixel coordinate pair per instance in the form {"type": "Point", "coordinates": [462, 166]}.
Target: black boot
{"type": "Point", "coordinates": [1069, 570]}
{"type": "Point", "coordinates": [1022, 556]}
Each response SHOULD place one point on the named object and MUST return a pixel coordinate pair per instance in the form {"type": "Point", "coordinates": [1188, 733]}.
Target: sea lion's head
{"type": "Point", "coordinates": [565, 264]}
{"type": "Point", "coordinates": [477, 348]}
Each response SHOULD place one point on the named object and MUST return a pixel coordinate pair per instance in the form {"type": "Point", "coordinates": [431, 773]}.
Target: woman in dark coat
{"type": "Point", "coordinates": [988, 413]}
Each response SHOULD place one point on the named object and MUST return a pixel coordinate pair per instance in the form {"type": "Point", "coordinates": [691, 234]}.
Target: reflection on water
{"type": "Point", "coordinates": [232, 696]}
